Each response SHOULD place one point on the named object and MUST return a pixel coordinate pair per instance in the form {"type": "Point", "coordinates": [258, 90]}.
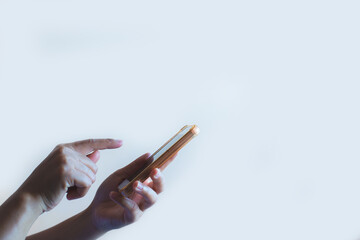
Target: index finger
{"type": "Point", "coordinates": [90, 145]}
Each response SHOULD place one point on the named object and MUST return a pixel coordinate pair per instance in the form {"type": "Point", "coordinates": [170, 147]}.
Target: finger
{"type": "Point", "coordinates": [85, 170]}
{"type": "Point", "coordinates": [132, 210]}
{"type": "Point", "coordinates": [94, 156]}
{"type": "Point", "coordinates": [79, 186]}
{"type": "Point", "coordinates": [148, 182]}
{"type": "Point", "coordinates": [148, 194]}
{"type": "Point", "coordinates": [87, 146]}
{"type": "Point", "coordinates": [76, 192]}
{"type": "Point", "coordinates": [129, 171]}
{"type": "Point", "coordinates": [158, 180]}
{"type": "Point", "coordinates": [134, 167]}
{"type": "Point", "coordinates": [79, 179]}
{"type": "Point", "coordinates": [88, 163]}
{"type": "Point", "coordinates": [168, 162]}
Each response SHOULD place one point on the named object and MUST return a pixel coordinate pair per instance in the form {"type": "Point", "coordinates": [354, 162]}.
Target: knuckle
{"type": "Point", "coordinates": [132, 206]}
{"type": "Point", "coordinates": [63, 165]}
{"type": "Point", "coordinates": [63, 161]}
{"type": "Point", "coordinates": [137, 216]}
{"type": "Point", "coordinates": [146, 190]}
{"type": "Point", "coordinates": [92, 177]}
{"type": "Point", "coordinates": [61, 151]}
{"type": "Point", "coordinates": [157, 176]}
{"type": "Point", "coordinates": [59, 148]}
{"type": "Point", "coordinates": [151, 196]}
{"type": "Point", "coordinates": [64, 176]}
{"type": "Point", "coordinates": [95, 168]}
{"type": "Point", "coordinates": [85, 183]}
{"type": "Point", "coordinates": [62, 170]}
{"type": "Point", "coordinates": [133, 209]}
{"type": "Point", "coordinates": [91, 166]}
{"type": "Point", "coordinates": [63, 184]}
{"type": "Point", "coordinates": [60, 145]}
{"type": "Point", "coordinates": [160, 187]}
{"type": "Point", "coordinates": [90, 181]}
{"type": "Point", "coordinates": [153, 199]}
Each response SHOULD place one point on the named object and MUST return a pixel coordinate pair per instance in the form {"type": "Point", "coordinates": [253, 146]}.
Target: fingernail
{"type": "Point", "coordinates": [112, 195]}
{"type": "Point", "coordinates": [157, 174]}
{"type": "Point", "coordinates": [123, 184]}
{"type": "Point", "coordinates": [118, 141]}
{"type": "Point", "coordinates": [139, 186]}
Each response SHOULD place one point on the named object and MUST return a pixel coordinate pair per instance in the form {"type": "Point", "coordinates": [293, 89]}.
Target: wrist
{"type": "Point", "coordinates": [88, 221]}
{"type": "Point", "coordinates": [18, 213]}
{"type": "Point", "coordinates": [28, 203]}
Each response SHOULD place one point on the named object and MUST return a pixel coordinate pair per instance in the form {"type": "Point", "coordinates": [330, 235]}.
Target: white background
{"type": "Point", "coordinates": [273, 85]}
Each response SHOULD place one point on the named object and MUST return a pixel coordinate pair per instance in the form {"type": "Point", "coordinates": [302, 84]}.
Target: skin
{"type": "Point", "coordinates": [70, 170]}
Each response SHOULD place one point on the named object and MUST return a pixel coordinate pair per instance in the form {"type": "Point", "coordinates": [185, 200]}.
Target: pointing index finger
{"type": "Point", "coordinates": [90, 145]}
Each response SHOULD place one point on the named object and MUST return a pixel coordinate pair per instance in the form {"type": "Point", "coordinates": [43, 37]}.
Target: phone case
{"type": "Point", "coordinates": [161, 160]}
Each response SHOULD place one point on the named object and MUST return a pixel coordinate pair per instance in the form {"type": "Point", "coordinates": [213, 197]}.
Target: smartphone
{"type": "Point", "coordinates": [161, 157]}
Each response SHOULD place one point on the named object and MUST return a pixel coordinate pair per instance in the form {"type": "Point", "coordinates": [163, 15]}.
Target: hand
{"type": "Point", "coordinates": [69, 168]}
{"type": "Point", "coordinates": [110, 210]}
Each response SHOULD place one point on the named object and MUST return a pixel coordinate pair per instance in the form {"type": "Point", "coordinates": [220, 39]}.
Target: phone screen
{"type": "Point", "coordinates": [171, 142]}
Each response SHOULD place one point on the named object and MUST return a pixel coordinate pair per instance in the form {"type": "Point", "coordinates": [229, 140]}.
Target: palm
{"type": "Point", "coordinates": [107, 214]}
{"type": "Point", "coordinates": [112, 215]}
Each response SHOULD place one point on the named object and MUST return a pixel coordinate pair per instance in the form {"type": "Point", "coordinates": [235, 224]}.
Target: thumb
{"type": "Point", "coordinates": [135, 167]}
{"type": "Point", "coordinates": [128, 172]}
{"type": "Point", "coordinates": [94, 156]}
{"type": "Point", "coordinates": [76, 192]}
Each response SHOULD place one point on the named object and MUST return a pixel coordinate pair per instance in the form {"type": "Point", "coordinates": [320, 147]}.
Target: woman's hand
{"type": "Point", "coordinates": [110, 210]}
{"type": "Point", "coordinates": [69, 168]}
